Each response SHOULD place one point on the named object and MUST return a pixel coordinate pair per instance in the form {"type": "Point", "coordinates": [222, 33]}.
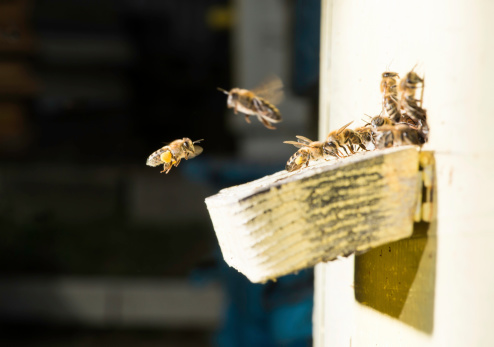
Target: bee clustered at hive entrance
{"type": "Point", "coordinates": [402, 121]}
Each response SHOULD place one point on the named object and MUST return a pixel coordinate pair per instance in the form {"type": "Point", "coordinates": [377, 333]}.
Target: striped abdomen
{"type": "Point", "coordinates": [391, 109]}
{"type": "Point", "coordinates": [299, 159]}
{"type": "Point", "coordinates": [155, 158]}
{"type": "Point", "coordinates": [269, 110]}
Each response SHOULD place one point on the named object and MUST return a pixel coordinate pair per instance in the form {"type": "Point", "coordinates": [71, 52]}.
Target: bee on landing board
{"type": "Point", "coordinates": [397, 135]}
{"type": "Point", "coordinates": [379, 120]}
{"type": "Point", "coordinates": [367, 136]}
{"type": "Point", "coordinates": [389, 85]}
{"type": "Point", "coordinates": [309, 150]}
{"type": "Point", "coordinates": [413, 113]}
{"type": "Point", "coordinates": [344, 139]}
{"type": "Point", "coordinates": [259, 102]}
{"type": "Point", "coordinates": [171, 154]}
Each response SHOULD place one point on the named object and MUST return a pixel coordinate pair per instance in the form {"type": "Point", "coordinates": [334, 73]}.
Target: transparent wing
{"type": "Point", "coordinates": [197, 150]}
{"type": "Point", "coordinates": [296, 144]}
{"type": "Point", "coordinates": [303, 139]}
{"type": "Point", "coordinates": [344, 127]}
{"type": "Point", "coordinates": [270, 89]}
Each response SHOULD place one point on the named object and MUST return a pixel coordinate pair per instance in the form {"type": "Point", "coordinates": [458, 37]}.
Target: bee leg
{"type": "Point", "coordinates": [350, 148]}
{"type": "Point", "coordinates": [344, 149]}
{"type": "Point", "coordinates": [165, 169]}
{"type": "Point", "coordinates": [266, 123]}
{"type": "Point", "coordinates": [247, 118]}
{"type": "Point", "coordinates": [307, 163]}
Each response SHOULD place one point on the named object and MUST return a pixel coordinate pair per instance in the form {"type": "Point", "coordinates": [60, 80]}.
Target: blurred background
{"type": "Point", "coordinates": [98, 249]}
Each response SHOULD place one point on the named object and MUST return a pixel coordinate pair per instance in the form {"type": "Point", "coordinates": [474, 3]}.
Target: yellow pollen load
{"type": "Point", "coordinates": [166, 156]}
{"type": "Point", "coordinates": [300, 159]}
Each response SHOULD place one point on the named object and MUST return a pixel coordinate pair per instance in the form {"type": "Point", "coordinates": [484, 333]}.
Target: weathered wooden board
{"type": "Point", "coordinates": [289, 221]}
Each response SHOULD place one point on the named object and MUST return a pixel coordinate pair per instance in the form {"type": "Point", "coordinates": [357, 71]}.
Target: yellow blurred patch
{"type": "Point", "coordinates": [166, 156]}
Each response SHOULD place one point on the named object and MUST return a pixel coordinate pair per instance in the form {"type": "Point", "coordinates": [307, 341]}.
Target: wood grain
{"type": "Point", "coordinates": [289, 221]}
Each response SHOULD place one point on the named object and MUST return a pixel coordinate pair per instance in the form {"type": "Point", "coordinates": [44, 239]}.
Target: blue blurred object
{"type": "Point", "coordinates": [272, 314]}
{"type": "Point", "coordinates": [306, 46]}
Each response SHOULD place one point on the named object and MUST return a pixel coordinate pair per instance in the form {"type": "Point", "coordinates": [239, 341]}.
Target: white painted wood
{"type": "Point", "coordinates": [288, 221]}
{"type": "Point", "coordinates": [451, 41]}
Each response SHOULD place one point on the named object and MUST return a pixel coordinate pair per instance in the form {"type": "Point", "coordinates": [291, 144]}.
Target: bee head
{"type": "Point", "coordinates": [388, 74]}
{"type": "Point", "coordinates": [377, 121]}
{"type": "Point", "coordinates": [367, 136]}
{"type": "Point", "coordinates": [233, 97]}
{"type": "Point", "coordinates": [331, 149]}
{"type": "Point", "coordinates": [188, 145]}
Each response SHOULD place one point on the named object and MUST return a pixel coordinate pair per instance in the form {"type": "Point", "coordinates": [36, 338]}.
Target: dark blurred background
{"type": "Point", "coordinates": [98, 249]}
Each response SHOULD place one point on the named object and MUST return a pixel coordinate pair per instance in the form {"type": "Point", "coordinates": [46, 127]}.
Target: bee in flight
{"type": "Point", "coordinates": [308, 150]}
{"type": "Point", "coordinates": [259, 102]}
{"type": "Point", "coordinates": [171, 154]}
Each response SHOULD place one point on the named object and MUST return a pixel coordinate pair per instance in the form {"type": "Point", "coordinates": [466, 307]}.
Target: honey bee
{"type": "Point", "coordinates": [414, 114]}
{"type": "Point", "coordinates": [379, 120]}
{"type": "Point", "coordinates": [389, 91]}
{"type": "Point", "coordinates": [171, 154]}
{"type": "Point", "coordinates": [397, 135]}
{"type": "Point", "coordinates": [408, 87]}
{"type": "Point", "coordinates": [344, 139]}
{"type": "Point", "coordinates": [308, 150]}
{"type": "Point", "coordinates": [259, 102]}
{"type": "Point", "coordinates": [366, 136]}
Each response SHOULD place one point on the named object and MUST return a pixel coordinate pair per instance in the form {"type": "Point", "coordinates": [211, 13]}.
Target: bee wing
{"type": "Point", "coordinates": [344, 127]}
{"type": "Point", "coordinates": [296, 144]}
{"type": "Point", "coordinates": [270, 89]}
{"type": "Point", "coordinates": [303, 139]}
{"type": "Point", "coordinates": [197, 150]}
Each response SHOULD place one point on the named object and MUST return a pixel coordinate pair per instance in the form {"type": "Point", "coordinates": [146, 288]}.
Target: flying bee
{"type": "Point", "coordinates": [397, 135]}
{"type": "Point", "coordinates": [342, 138]}
{"type": "Point", "coordinates": [171, 154]}
{"type": "Point", "coordinates": [259, 102]}
{"type": "Point", "coordinates": [309, 150]}
{"type": "Point", "coordinates": [389, 91]}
